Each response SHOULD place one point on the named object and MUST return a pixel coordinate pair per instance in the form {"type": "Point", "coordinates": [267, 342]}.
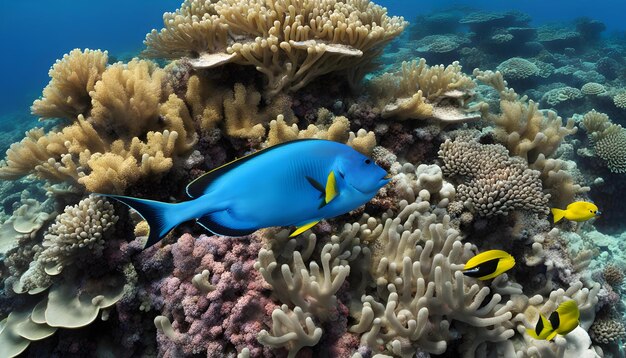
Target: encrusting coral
{"type": "Point", "coordinates": [290, 43]}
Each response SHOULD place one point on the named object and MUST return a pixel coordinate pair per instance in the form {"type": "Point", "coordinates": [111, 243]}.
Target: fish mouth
{"type": "Point", "coordinates": [383, 181]}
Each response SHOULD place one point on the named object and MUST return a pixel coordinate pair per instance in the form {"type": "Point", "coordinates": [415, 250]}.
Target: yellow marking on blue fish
{"type": "Point", "coordinates": [576, 211]}
{"type": "Point", "coordinates": [489, 264]}
{"type": "Point", "coordinates": [303, 228]}
{"type": "Point", "coordinates": [331, 187]}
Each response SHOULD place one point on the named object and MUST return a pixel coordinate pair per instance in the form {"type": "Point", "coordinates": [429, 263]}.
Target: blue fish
{"type": "Point", "coordinates": [296, 183]}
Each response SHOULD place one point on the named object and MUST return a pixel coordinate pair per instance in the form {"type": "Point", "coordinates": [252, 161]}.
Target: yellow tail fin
{"type": "Point", "coordinates": [558, 214]}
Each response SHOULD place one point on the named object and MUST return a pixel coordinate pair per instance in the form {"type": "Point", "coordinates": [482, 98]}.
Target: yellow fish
{"type": "Point", "coordinates": [576, 211]}
{"type": "Point", "coordinates": [489, 264]}
{"type": "Point", "coordinates": [562, 321]}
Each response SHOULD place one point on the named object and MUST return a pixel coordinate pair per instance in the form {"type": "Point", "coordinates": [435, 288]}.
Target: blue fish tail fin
{"type": "Point", "coordinates": [161, 217]}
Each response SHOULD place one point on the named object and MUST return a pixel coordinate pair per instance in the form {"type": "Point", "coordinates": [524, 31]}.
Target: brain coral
{"type": "Point", "coordinates": [607, 330]}
{"type": "Point", "coordinates": [612, 149]}
{"type": "Point", "coordinates": [592, 88]}
{"type": "Point", "coordinates": [518, 68]}
{"type": "Point", "coordinates": [492, 182]}
{"type": "Point", "coordinates": [562, 94]}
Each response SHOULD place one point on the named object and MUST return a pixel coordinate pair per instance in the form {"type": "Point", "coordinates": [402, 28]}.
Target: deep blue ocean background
{"type": "Point", "coordinates": [35, 33]}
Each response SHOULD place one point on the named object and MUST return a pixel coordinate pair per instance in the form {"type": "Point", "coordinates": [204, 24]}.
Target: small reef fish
{"type": "Point", "coordinates": [562, 321]}
{"type": "Point", "coordinates": [576, 211]}
{"type": "Point", "coordinates": [277, 186]}
{"type": "Point", "coordinates": [489, 264]}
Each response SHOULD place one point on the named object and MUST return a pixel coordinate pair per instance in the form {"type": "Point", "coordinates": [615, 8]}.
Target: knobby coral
{"type": "Point", "coordinates": [492, 183]}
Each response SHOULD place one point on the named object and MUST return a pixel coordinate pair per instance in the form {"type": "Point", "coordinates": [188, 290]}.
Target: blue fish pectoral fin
{"type": "Point", "coordinates": [303, 228]}
{"type": "Point", "coordinates": [220, 223]}
{"type": "Point", "coordinates": [331, 187]}
{"type": "Point", "coordinates": [161, 217]}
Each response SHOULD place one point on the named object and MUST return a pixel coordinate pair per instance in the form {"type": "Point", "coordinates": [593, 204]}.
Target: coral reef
{"type": "Point", "coordinates": [475, 162]}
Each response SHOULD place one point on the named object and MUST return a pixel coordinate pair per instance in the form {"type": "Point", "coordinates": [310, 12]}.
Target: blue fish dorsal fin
{"type": "Point", "coordinates": [199, 185]}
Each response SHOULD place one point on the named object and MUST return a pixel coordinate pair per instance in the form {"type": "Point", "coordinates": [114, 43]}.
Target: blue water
{"type": "Point", "coordinates": [37, 32]}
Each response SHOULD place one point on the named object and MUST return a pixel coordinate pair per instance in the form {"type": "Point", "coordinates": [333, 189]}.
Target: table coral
{"type": "Point", "coordinates": [318, 37]}
{"type": "Point", "coordinates": [420, 91]}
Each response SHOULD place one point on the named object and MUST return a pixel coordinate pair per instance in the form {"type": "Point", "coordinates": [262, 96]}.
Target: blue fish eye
{"type": "Point", "coordinates": [367, 161]}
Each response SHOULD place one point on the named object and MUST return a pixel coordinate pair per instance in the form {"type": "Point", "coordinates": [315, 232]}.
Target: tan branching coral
{"type": "Point", "coordinates": [532, 134]}
{"type": "Point", "coordinates": [338, 131]}
{"type": "Point", "coordinates": [289, 42]}
{"type": "Point", "coordinates": [420, 292]}
{"type": "Point", "coordinates": [527, 132]}
{"type": "Point", "coordinates": [126, 100]}
{"type": "Point", "coordinates": [104, 152]}
{"type": "Point", "coordinates": [72, 78]}
{"type": "Point", "coordinates": [288, 330]}
{"type": "Point", "coordinates": [421, 92]}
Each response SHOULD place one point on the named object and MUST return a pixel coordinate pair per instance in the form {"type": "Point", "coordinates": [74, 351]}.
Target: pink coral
{"type": "Point", "coordinates": [226, 319]}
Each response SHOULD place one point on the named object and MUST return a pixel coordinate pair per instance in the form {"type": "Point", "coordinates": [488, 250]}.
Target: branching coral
{"type": "Point", "coordinates": [532, 134]}
{"type": "Point", "coordinates": [492, 182]}
{"type": "Point", "coordinates": [291, 43]}
{"type": "Point", "coordinates": [72, 78]}
{"type": "Point", "coordinates": [420, 292]}
{"type": "Point", "coordinates": [104, 152]}
{"type": "Point", "coordinates": [338, 131]}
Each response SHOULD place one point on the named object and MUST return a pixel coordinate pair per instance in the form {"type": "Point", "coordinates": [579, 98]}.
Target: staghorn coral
{"type": "Point", "coordinates": [534, 135]}
{"type": "Point", "coordinates": [420, 294]}
{"type": "Point", "coordinates": [104, 152]}
{"type": "Point", "coordinates": [338, 130]}
{"type": "Point", "coordinates": [290, 43]}
{"type": "Point", "coordinates": [72, 78]}
{"type": "Point", "coordinates": [492, 182]}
